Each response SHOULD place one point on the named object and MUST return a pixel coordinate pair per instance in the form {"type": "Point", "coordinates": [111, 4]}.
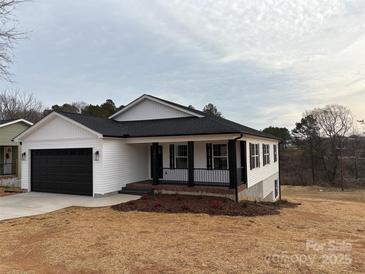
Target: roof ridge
{"type": "Point", "coordinates": [80, 114]}
{"type": "Point", "coordinates": [179, 105]}
{"type": "Point", "coordinates": [163, 119]}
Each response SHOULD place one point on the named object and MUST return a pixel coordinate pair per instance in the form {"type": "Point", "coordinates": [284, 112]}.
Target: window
{"type": "Point", "coordinates": [181, 156]}
{"type": "Point", "coordinates": [254, 156]}
{"type": "Point", "coordinates": [266, 154]}
{"type": "Point", "coordinates": [275, 153]}
{"type": "Point", "coordinates": [276, 188]}
{"type": "Point", "coordinates": [220, 156]}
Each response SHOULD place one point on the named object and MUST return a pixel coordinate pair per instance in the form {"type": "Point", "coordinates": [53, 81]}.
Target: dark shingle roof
{"type": "Point", "coordinates": [162, 127]}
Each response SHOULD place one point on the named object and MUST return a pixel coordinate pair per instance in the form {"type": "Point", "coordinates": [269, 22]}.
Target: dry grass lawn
{"type": "Point", "coordinates": [352, 195]}
{"type": "Point", "coordinates": [102, 240]}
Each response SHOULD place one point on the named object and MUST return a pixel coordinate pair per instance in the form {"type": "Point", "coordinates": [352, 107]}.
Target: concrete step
{"type": "Point", "coordinates": [135, 191]}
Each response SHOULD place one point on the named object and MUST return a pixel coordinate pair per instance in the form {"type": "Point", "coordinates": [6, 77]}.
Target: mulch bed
{"type": "Point", "coordinates": [202, 204]}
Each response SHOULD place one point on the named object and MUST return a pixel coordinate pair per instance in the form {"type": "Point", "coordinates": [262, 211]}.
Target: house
{"type": "Point", "coordinates": [10, 151]}
{"type": "Point", "coordinates": [150, 144]}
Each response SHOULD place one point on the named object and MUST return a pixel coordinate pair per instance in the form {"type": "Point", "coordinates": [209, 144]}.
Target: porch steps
{"type": "Point", "coordinates": [135, 190]}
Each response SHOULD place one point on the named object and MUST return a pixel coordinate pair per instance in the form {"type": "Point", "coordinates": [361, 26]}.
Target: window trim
{"type": "Point", "coordinates": [224, 157]}
{"type": "Point", "coordinates": [176, 156]}
{"type": "Point", "coordinates": [254, 155]}
{"type": "Point", "coordinates": [275, 148]}
{"type": "Point", "coordinates": [265, 154]}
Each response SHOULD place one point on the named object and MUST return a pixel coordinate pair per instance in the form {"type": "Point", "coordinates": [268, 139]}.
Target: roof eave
{"type": "Point", "coordinates": [167, 135]}
{"type": "Point", "coordinates": [15, 122]}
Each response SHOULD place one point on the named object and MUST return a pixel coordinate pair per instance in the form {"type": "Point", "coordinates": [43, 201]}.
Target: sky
{"type": "Point", "coordinates": [262, 63]}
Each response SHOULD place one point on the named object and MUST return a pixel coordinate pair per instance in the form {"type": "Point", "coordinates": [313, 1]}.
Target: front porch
{"type": "Point", "coordinates": [148, 187]}
{"type": "Point", "coordinates": [8, 162]}
{"type": "Point", "coordinates": [9, 168]}
{"type": "Point", "coordinates": [213, 166]}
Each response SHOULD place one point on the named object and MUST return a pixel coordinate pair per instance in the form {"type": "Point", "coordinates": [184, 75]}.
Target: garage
{"type": "Point", "coordinates": [67, 171]}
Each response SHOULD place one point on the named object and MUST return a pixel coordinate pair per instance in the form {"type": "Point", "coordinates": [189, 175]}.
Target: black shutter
{"type": "Point", "coordinates": [243, 152]}
{"type": "Point", "coordinates": [251, 158]}
{"type": "Point", "coordinates": [258, 155]}
{"type": "Point", "coordinates": [172, 156]}
{"type": "Point", "coordinates": [275, 154]}
{"type": "Point", "coordinates": [209, 156]}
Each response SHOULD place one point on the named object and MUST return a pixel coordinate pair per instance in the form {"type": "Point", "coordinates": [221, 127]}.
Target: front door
{"type": "Point", "coordinates": [159, 161]}
{"type": "Point", "coordinates": [8, 160]}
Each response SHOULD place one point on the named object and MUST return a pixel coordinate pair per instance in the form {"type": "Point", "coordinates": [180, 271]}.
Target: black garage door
{"type": "Point", "coordinates": [62, 171]}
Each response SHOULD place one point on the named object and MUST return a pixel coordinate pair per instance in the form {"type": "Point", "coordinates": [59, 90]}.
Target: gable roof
{"type": "Point", "coordinates": [163, 127]}
{"type": "Point", "coordinates": [159, 100]}
{"type": "Point", "coordinates": [199, 124]}
{"type": "Point", "coordinates": [47, 118]}
{"type": "Point", "coordinates": [4, 123]}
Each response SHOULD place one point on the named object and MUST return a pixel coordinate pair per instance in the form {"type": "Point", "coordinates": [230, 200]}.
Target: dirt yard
{"type": "Point", "coordinates": [103, 240]}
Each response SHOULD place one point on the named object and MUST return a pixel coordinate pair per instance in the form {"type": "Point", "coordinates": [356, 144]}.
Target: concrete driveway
{"type": "Point", "coordinates": [34, 203]}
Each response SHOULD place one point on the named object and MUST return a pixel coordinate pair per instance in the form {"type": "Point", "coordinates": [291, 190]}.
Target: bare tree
{"type": "Point", "coordinates": [335, 123]}
{"type": "Point", "coordinates": [8, 35]}
{"type": "Point", "coordinates": [15, 104]}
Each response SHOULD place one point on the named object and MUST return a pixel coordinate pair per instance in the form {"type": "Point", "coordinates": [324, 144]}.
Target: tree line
{"type": "Point", "coordinates": [325, 147]}
{"type": "Point", "coordinates": [15, 104]}
{"type": "Point", "coordinates": [322, 147]}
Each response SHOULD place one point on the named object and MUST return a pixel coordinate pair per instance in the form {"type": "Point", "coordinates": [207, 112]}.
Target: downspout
{"type": "Point", "coordinates": [279, 169]}
{"type": "Point", "coordinates": [236, 184]}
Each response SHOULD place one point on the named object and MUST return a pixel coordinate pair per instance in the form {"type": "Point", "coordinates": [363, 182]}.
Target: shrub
{"type": "Point", "coordinates": [157, 205]}
{"type": "Point", "coordinates": [185, 207]}
{"type": "Point", "coordinates": [217, 204]}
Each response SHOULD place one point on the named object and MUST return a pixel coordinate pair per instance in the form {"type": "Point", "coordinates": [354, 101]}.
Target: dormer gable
{"type": "Point", "coordinates": [149, 107]}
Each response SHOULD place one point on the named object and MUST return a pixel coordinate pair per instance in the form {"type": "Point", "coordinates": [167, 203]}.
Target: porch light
{"type": "Point", "coordinates": [96, 155]}
{"type": "Point", "coordinates": [24, 156]}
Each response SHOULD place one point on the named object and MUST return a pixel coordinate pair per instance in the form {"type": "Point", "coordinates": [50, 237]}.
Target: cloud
{"type": "Point", "coordinates": [261, 62]}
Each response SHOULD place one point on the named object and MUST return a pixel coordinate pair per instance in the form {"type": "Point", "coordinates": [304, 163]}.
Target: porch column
{"type": "Point", "coordinates": [191, 163]}
{"type": "Point", "coordinates": [232, 162]}
{"type": "Point", "coordinates": [154, 151]}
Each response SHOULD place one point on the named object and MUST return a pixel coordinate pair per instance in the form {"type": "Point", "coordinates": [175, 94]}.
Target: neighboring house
{"type": "Point", "coordinates": [149, 144]}
{"type": "Point", "coordinates": [10, 151]}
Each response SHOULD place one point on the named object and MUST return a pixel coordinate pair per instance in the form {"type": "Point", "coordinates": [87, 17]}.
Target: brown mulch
{"type": "Point", "coordinates": [202, 204]}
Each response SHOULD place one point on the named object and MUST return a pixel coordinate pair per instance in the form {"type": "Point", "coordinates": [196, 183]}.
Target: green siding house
{"type": "Point", "coordinates": [9, 150]}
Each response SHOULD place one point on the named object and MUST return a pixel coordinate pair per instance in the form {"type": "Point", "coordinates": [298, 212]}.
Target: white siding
{"type": "Point", "coordinates": [58, 133]}
{"type": "Point", "coordinates": [200, 154]}
{"type": "Point", "coordinates": [59, 143]}
{"type": "Point", "coordinates": [119, 163]}
{"type": "Point", "coordinates": [58, 128]}
{"type": "Point", "coordinates": [147, 110]}
{"type": "Point", "coordinates": [122, 164]}
{"type": "Point", "coordinates": [268, 190]}
{"type": "Point", "coordinates": [258, 174]}
{"type": "Point", "coordinates": [165, 155]}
